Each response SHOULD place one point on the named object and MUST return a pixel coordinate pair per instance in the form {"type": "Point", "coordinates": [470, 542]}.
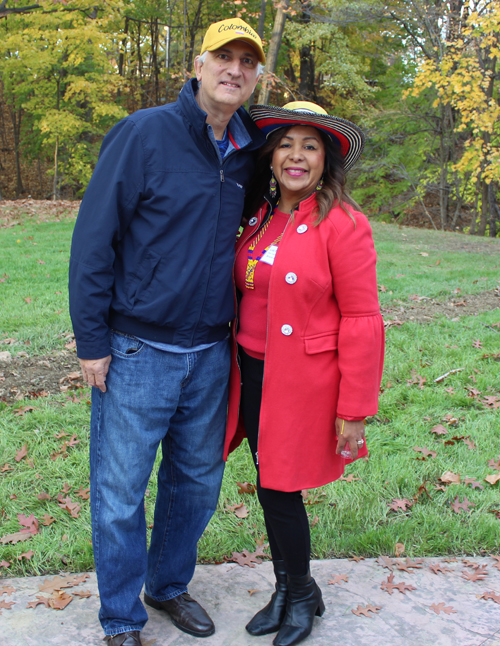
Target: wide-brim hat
{"type": "Point", "coordinates": [345, 134]}
{"type": "Point", "coordinates": [223, 32]}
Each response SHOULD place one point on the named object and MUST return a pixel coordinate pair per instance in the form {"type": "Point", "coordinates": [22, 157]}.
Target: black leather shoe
{"type": "Point", "coordinates": [269, 619]}
{"type": "Point", "coordinates": [131, 638]}
{"type": "Point", "coordinates": [186, 614]}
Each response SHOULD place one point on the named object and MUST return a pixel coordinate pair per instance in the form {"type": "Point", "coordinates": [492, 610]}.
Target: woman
{"type": "Point", "coordinates": [309, 339]}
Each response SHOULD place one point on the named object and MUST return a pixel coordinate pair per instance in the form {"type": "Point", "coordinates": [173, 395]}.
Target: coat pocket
{"type": "Point", "coordinates": [143, 275]}
{"type": "Point", "coordinates": [325, 342]}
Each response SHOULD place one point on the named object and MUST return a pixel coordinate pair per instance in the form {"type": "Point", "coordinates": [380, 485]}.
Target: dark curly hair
{"type": "Point", "coordinates": [334, 177]}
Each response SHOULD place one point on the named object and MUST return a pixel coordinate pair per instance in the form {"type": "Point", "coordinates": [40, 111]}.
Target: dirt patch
{"type": "Point", "coordinates": [14, 212]}
{"type": "Point", "coordinates": [25, 377]}
{"type": "Point", "coordinates": [426, 310]}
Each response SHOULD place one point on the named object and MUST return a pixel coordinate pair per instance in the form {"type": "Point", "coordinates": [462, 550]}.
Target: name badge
{"type": "Point", "coordinates": [270, 255]}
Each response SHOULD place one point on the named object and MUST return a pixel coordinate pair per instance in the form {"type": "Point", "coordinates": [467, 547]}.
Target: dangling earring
{"type": "Point", "coordinates": [319, 185]}
{"type": "Point", "coordinates": [272, 185]}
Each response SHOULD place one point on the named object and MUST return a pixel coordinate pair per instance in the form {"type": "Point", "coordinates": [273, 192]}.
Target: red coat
{"type": "Point", "coordinates": [324, 348]}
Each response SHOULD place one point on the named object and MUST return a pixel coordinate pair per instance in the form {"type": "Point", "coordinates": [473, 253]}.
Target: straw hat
{"type": "Point", "coordinates": [343, 133]}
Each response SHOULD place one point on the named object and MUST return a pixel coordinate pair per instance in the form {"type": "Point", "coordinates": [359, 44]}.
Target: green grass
{"type": "Point", "coordinates": [353, 517]}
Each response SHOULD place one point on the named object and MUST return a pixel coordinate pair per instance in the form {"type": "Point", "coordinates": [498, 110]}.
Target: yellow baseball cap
{"type": "Point", "coordinates": [225, 31]}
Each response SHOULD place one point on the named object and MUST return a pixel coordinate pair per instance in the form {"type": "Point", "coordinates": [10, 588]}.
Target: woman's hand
{"type": "Point", "coordinates": [349, 432]}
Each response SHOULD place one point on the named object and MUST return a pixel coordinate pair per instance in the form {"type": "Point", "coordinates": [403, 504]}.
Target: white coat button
{"type": "Point", "coordinates": [252, 222]}
{"type": "Point", "coordinates": [286, 330]}
{"type": "Point", "coordinates": [291, 278]}
{"type": "Point", "coordinates": [302, 228]}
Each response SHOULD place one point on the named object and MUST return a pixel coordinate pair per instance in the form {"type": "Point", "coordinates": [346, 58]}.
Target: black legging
{"type": "Point", "coordinates": [284, 512]}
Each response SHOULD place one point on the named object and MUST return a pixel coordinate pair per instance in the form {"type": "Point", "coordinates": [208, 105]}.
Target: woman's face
{"type": "Point", "coordinates": [298, 162]}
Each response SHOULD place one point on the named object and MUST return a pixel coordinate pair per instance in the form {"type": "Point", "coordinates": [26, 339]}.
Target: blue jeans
{"type": "Point", "coordinates": [153, 397]}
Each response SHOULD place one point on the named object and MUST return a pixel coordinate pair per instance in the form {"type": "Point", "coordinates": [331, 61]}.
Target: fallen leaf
{"type": "Point", "coordinates": [43, 496]}
{"type": "Point", "coordinates": [450, 478]}
{"type": "Point", "coordinates": [425, 452]}
{"type": "Point", "coordinates": [253, 591]}
{"type": "Point", "coordinates": [40, 600]}
{"type": "Point", "coordinates": [4, 564]}
{"type": "Point", "coordinates": [357, 559]}
{"type": "Point", "coordinates": [439, 487]}
{"type": "Point", "coordinates": [21, 453]}
{"type": "Point", "coordinates": [83, 493]}
{"type": "Point", "coordinates": [385, 562]}
{"type": "Point", "coordinates": [497, 559]}
{"type": "Point", "coordinates": [489, 595]}
{"type": "Point", "coordinates": [491, 401]}
{"type": "Point", "coordinates": [83, 594]}
{"type": "Point", "coordinates": [20, 412]}
{"type": "Point", "coordinates": [48, 520]}
{"type": "Point", "coordinates": [477, 344]}
{"type": "Point", "coordinates": [350, 478]}
{"type": "Point", "coordinates": [15, 538]}
{"type": "Point", "coordinates": [470, 443]}
{"type": "Point", "coordinates": [473, 576]}
{"type": "Point", "coordinates": [440, 607]}
{"type": "Point", "coordinates": [435, 568]}
{"type": "Point", "coordinates": [8, 590]}
{"type": "Point", "coordinates": [246, 487]}
{"type": "Point", "coordinates": [389, 585]}
{"type": "Point", "coordinates": [495, 464]}
{"type": "Point", "coordinates": [59, 600]}
{"type": "Point", "coordinates": [399, 549]}
{"type": "Point", "coordinates": [245, 558]}
{"type": "Point", "coordinates": [364, 610]}
{"type": "Point", "coordinates": [439, 430]}
{"type": "Point", "coordinates": [314, 497]}
{"type": "Point", "coordinates": [416, 379]}
{"type": "Point", "coordinates": [493, 478]}
{"type": "Point", "coordinates": [473, 483]}
{"type": "Point", "coordinates": [338, 578]}
{"type": "Point", "coordinates": [30, 524]}
{"type": "Point", "coordinates": [6, 467]}
{"type": "Point", "coordinates": [73, 508]}
{"type": "Point", "coordinates": [398, 503]}
{"type": "Point", "coordinates": [7, 605]}
{"type": "Point", "coordinates": [26, 555]}
{"type": "Point", "coordinates": [458, 506]}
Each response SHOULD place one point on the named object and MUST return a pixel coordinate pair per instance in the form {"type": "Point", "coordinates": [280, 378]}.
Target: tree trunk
{"type": "Point", "coordinates": [272, 55]}
{"type": "Point", "coordinates": [492, 209]}
{"type": "Point", "coordinates": [16, 116]}
{"type": "Point", "coordinates": [306, 85]}
{"type": "Point", "coordinates": [193, 30]}
{"type": "Point", "coordinates": [481, 230]}
{"type": "Point", "coordinates": [260, 31]}
{"type": "Point", "coordinates": [121, 58]}
{"type": "Point", "coordinates": [55, 190]}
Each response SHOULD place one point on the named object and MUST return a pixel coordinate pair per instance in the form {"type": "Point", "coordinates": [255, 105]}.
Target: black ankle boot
{"type": "Point", "coordinates": [268, 620]}
{"type": "Point", "coordinates": [303, 603]}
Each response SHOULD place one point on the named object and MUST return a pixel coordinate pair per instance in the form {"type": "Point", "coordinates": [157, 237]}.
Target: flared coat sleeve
{"type": "Point", "coordinates": [352, 259]}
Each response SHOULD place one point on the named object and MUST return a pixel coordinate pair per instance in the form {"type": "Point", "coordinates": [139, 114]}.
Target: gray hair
{"type": "Point", "coordinates": [203, 58]}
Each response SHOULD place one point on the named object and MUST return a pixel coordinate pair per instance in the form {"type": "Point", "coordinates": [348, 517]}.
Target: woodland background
{"type": "Point", "coordinates": [421, 77]}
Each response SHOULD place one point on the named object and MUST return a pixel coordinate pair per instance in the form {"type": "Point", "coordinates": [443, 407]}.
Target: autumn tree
{"type": "Point", "coordinates": [465, 79]}
{"type": "Point", "coordinates": [58, 75]}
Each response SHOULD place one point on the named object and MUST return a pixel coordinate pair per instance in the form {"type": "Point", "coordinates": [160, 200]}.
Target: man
{"type": "Point", "coordinates": [151, 297]}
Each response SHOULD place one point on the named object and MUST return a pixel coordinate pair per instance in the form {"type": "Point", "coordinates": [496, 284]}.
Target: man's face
{"type": "Point", "coordinates": [228, 76]}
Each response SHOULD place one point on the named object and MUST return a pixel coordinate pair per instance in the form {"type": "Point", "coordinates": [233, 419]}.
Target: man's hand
{"type": "Point", "coordinates": [349, 432]}
{"type": "Point", "coordinates": [95, 370]}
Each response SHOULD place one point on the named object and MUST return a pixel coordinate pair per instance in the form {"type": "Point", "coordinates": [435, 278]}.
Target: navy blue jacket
{"type": "Point", "coordinates": [153, 244]}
